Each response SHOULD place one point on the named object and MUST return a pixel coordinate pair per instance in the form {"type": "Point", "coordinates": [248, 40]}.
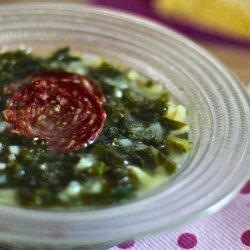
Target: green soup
{"type": "Point", "coordinates": [144, 137]}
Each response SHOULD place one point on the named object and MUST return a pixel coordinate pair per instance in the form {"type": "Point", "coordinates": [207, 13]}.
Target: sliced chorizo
{"type": "Point", "coordinates": [62, 112]}
{"type": "Point", "coordinates": [88, 83]}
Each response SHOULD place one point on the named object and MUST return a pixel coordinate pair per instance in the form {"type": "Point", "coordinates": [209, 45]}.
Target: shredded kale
{"type": "Point", "coordinates": [136, 133]}
{"type": "Point", "coordinates": [18, 65]}
{"type": "Point", "coordinates": [60, 59]}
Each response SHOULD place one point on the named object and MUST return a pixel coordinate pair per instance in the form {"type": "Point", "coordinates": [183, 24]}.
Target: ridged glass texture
{"type": "Point", "coordinates": [218, 107]}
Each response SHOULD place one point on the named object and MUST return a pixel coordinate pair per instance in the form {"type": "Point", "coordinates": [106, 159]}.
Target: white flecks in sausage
{"type": "Point", "coordinates": [51, 112]}
{"type": "Point", "coordinates": [41, 83]}
{"type": "Point", "coordinates": [85, 82]}
{"type": "Point", "coordinates": [75, 119]}
{"type": "Point", "coordinates": [93, 118]}
{"type": "Point", "coordinates": [44, 96]}
{"type": "Point", "coordinates": [72, 142]}
{"type": "Point", "coordinates": [62, 101]}
{"type": "Point", "coordinates": [59, 123]}
{"type": "Point", "coordinates": [75, 93]}
{"type": "Point", "coordinates": [41, 117]}
{"type": "Point", "coordinates": [78, 111]}
{"type": "Point", "coordinates": [57, 108]}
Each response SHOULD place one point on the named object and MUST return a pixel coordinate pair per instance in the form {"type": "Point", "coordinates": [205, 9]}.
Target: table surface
{"type": "Point", "coordinates": [237, 59]}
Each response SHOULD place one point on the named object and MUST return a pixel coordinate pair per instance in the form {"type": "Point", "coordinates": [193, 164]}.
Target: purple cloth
{"type": "Point", "coordinates": [229, 229]}
{"type": "Point", "coordinates": [144, 7]}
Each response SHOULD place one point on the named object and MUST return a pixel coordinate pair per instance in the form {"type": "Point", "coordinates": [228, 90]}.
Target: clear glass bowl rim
{"type": "Point", "coordinates": [75, 226]}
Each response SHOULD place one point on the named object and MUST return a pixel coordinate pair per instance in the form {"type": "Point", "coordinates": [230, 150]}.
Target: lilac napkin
{"type": "Point", "coordinates": [229, 229]}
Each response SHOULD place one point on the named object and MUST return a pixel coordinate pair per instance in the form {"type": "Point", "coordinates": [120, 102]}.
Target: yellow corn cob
{"type": "Point", "coordinates": [230, 17]}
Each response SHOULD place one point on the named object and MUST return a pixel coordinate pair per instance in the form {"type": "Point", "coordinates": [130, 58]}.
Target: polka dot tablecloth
{"type": "Point", "coordinates": [228, 229]}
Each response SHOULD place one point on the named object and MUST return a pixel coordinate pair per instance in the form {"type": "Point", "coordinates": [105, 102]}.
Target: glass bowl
{"type": "Point", "coordinates": [218, 106]}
